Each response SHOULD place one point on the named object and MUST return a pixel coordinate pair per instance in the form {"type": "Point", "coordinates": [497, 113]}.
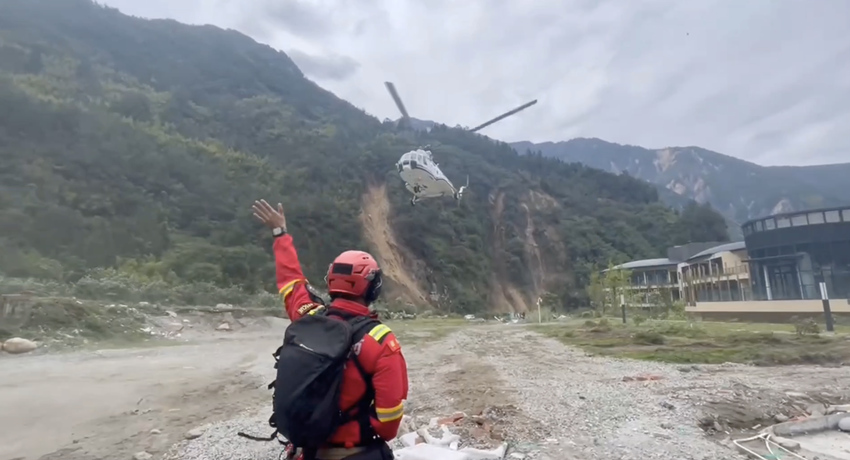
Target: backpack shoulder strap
{"type": "Point", "coordinates": [363, 410]}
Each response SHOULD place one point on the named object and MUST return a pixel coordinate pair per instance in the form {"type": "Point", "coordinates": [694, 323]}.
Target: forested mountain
{"type": "Point", "coordinates": [738, 189]}
{"type": "Point", "coordinates": [141, 144]}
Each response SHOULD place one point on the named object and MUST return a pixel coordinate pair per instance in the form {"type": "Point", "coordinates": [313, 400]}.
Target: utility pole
{"type": "Point", "coordinates": [827, 312]}
{"type": "Point", "coordinates": [539, 315]}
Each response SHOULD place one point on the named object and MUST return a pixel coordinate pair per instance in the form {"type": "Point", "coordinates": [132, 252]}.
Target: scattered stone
{"type": "Point", "coordinates": [17, 345]}
{"type": "Point", "coordinates": [171, 313]}
{"type": "Point", "coordinates": [642, 378]}
{"type": "Point", "coordinates": [780, 418]}
{"type": "Point", "coordinates": [142, 456]}
{"type": "Point", "coordinates": [667, 405]}
{"type": "Point", "coordinates": [156, 431]}
{"type": "Point", "coordinates": [844, 424]}
{"type": "Point", "coordinates": [816, 410]}
{"type": "Point", "coordinates": [789, 444]}
{"type": "Point", "coordinates": [195, 433]}
{"type": "Point", "coordinates": [223, 327]}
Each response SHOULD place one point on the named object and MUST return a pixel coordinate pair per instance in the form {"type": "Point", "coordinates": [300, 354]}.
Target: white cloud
{"type": "Point", "coordinates": [763, 80]}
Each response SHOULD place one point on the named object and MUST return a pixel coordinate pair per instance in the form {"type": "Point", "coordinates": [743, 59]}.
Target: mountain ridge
{"type": "Point", "coordinates": [136, 147]}
{"type": "Point", "coordinates": [739, 189]}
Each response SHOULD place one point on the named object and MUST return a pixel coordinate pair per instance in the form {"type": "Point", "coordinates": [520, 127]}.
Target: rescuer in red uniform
{"type": "Point", "coordinates": [379, 352]}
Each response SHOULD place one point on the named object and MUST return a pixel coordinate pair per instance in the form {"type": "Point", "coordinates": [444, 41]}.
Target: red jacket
{"type": "Point", "coordinates": [379, 352]}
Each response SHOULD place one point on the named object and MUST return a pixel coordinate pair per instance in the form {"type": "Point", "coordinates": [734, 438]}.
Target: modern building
{"type": "Point", "coordinates": [717, 274]}
{"type": "Point", "coordinates": [776, 269]}
{"type": "Point", "coordinates": [652, 277]}
{"type": "Point", "coordinates": [790, 254]}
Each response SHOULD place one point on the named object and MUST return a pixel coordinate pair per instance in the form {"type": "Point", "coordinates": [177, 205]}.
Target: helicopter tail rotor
{"type": "Point", "coordinates": [462, 189]}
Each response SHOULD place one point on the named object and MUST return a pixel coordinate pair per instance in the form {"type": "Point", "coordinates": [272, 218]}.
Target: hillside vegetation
{"type": "Point", "coordinates": [132, 149]}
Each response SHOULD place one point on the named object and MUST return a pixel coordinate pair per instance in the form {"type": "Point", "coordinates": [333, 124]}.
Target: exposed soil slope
{"type": "Point", "coordinates": [379, 233]}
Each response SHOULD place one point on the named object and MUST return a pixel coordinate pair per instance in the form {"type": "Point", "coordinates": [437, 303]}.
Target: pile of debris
{"type": "Point", "coordinates": [457, 437]}
{"type": "Point", "coordinates": [824, 434]}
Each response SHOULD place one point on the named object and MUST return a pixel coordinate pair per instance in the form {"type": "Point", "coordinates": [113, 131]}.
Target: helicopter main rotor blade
{"type": "Point", "coordinates": [504, 115]}
{"type": "Point", "coordinates": [397, 100]}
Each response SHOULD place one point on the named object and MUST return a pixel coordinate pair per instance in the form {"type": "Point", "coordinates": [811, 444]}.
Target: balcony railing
{"type": "Point", "coordinates": [717, 273]}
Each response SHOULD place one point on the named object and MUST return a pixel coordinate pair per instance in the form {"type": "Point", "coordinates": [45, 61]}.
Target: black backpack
{"type": "Point", "coordinates": [310, 365]}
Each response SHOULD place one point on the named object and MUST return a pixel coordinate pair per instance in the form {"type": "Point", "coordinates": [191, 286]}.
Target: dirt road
{"type": "Point", "coordinates": [85, 405]}
{"type": "Point", "coordinates": [550, 401]}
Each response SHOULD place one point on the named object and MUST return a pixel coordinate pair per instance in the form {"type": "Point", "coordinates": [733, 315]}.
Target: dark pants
{"type": "Point", "coordinates": [380, 451]}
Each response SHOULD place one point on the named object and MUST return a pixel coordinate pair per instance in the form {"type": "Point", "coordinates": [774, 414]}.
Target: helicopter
{"type": "Point", "coordinates": [421, 174]}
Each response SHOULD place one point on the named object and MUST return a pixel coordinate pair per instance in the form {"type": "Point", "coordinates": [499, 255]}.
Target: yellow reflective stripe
{"type": "Point", "coordinates": [288, 287]}
{"type": "Point", "coordinates": [314, 310]}
{"type": "Point", "coordinates": [379, 332]}
{"type": "Point", "coordinates": [391, 414]}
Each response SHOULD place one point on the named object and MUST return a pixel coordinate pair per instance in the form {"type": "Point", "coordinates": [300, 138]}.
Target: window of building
{"type": "Point", "coordinates": [760, 226]}
{"type": "Point", "coordinates": [816, 218]}
{"type": "Point", "coordinates": [832, 216]}
{"type": "Point", "coordinates": [769, 224]}
{"type": "Point", "coordinates": [747, 230]}
{"type": "Point", "coordinates": [783, 222]}
{"type": "Point", "coordinates": [846, 214]}
{"type": "Point", "coordinates": [799, 220]}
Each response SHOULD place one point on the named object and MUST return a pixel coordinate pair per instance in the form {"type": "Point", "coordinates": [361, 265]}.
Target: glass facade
{"type": "Point", "coordinates": [654, 277]}
{"type": "Point", "coordinates": [793, 271]}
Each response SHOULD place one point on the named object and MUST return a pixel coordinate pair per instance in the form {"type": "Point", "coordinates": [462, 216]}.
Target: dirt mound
{"type": "Point", "coordinates": [376, 227]}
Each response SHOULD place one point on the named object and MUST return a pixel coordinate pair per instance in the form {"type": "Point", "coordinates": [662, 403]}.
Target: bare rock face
{"type": "Point", "coordinates": [17, 346]}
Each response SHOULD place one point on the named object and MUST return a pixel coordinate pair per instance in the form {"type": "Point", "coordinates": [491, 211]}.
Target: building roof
{"type": "Point", "coordinates": [794, 213]}
{"type": "Point", "coordinates": [734, 246]}
{"type": "Point", "coordinates": [646, 263]}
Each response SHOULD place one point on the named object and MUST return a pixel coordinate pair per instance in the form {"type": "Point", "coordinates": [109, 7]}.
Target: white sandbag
{"type": "Point", "coordinates": [443, 441]}
{"type": "Point", "coordinates": [409, 439]}
{"type": "Point", "coordinates": [479, 454]}
{"type": "Point", "coordinates": [429, 452]}
{"type": "Point", "coordinates": [17, 345]}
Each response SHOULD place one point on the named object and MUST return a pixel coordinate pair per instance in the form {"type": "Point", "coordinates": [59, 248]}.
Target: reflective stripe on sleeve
{"type": "Point", "coordinates": [391, 414]}
{"type": "Point", "coordinates": [288, 287]}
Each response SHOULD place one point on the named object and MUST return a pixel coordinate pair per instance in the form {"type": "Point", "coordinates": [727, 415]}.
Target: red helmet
{"type": "Point", "coordinates": [356, 274]}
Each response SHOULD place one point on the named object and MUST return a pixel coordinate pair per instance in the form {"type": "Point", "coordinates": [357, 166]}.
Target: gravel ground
{"type": "Point", "coordinates": [590, 410]}
{"type": "Point", "coordinates": [556, 403]}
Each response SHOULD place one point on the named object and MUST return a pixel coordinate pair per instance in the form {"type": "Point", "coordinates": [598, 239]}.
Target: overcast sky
{"type": "Point", "coordinates": [763, 80]}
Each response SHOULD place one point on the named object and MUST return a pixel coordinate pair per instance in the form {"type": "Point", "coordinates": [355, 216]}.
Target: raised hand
{"type": "Point", "coordinates": [271, 218]}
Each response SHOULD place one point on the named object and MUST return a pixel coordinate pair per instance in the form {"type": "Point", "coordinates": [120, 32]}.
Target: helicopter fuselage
{"type": "Point", "coordinates": [422, 176]}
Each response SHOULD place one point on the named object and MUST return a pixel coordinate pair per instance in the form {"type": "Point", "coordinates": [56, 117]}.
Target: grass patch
{"type": "Point", "coordinates": [703, 343]}
{"type": "Point", "coordinates": [420, 331]}
{"type": "Point", "coordinates": [50, 319]}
